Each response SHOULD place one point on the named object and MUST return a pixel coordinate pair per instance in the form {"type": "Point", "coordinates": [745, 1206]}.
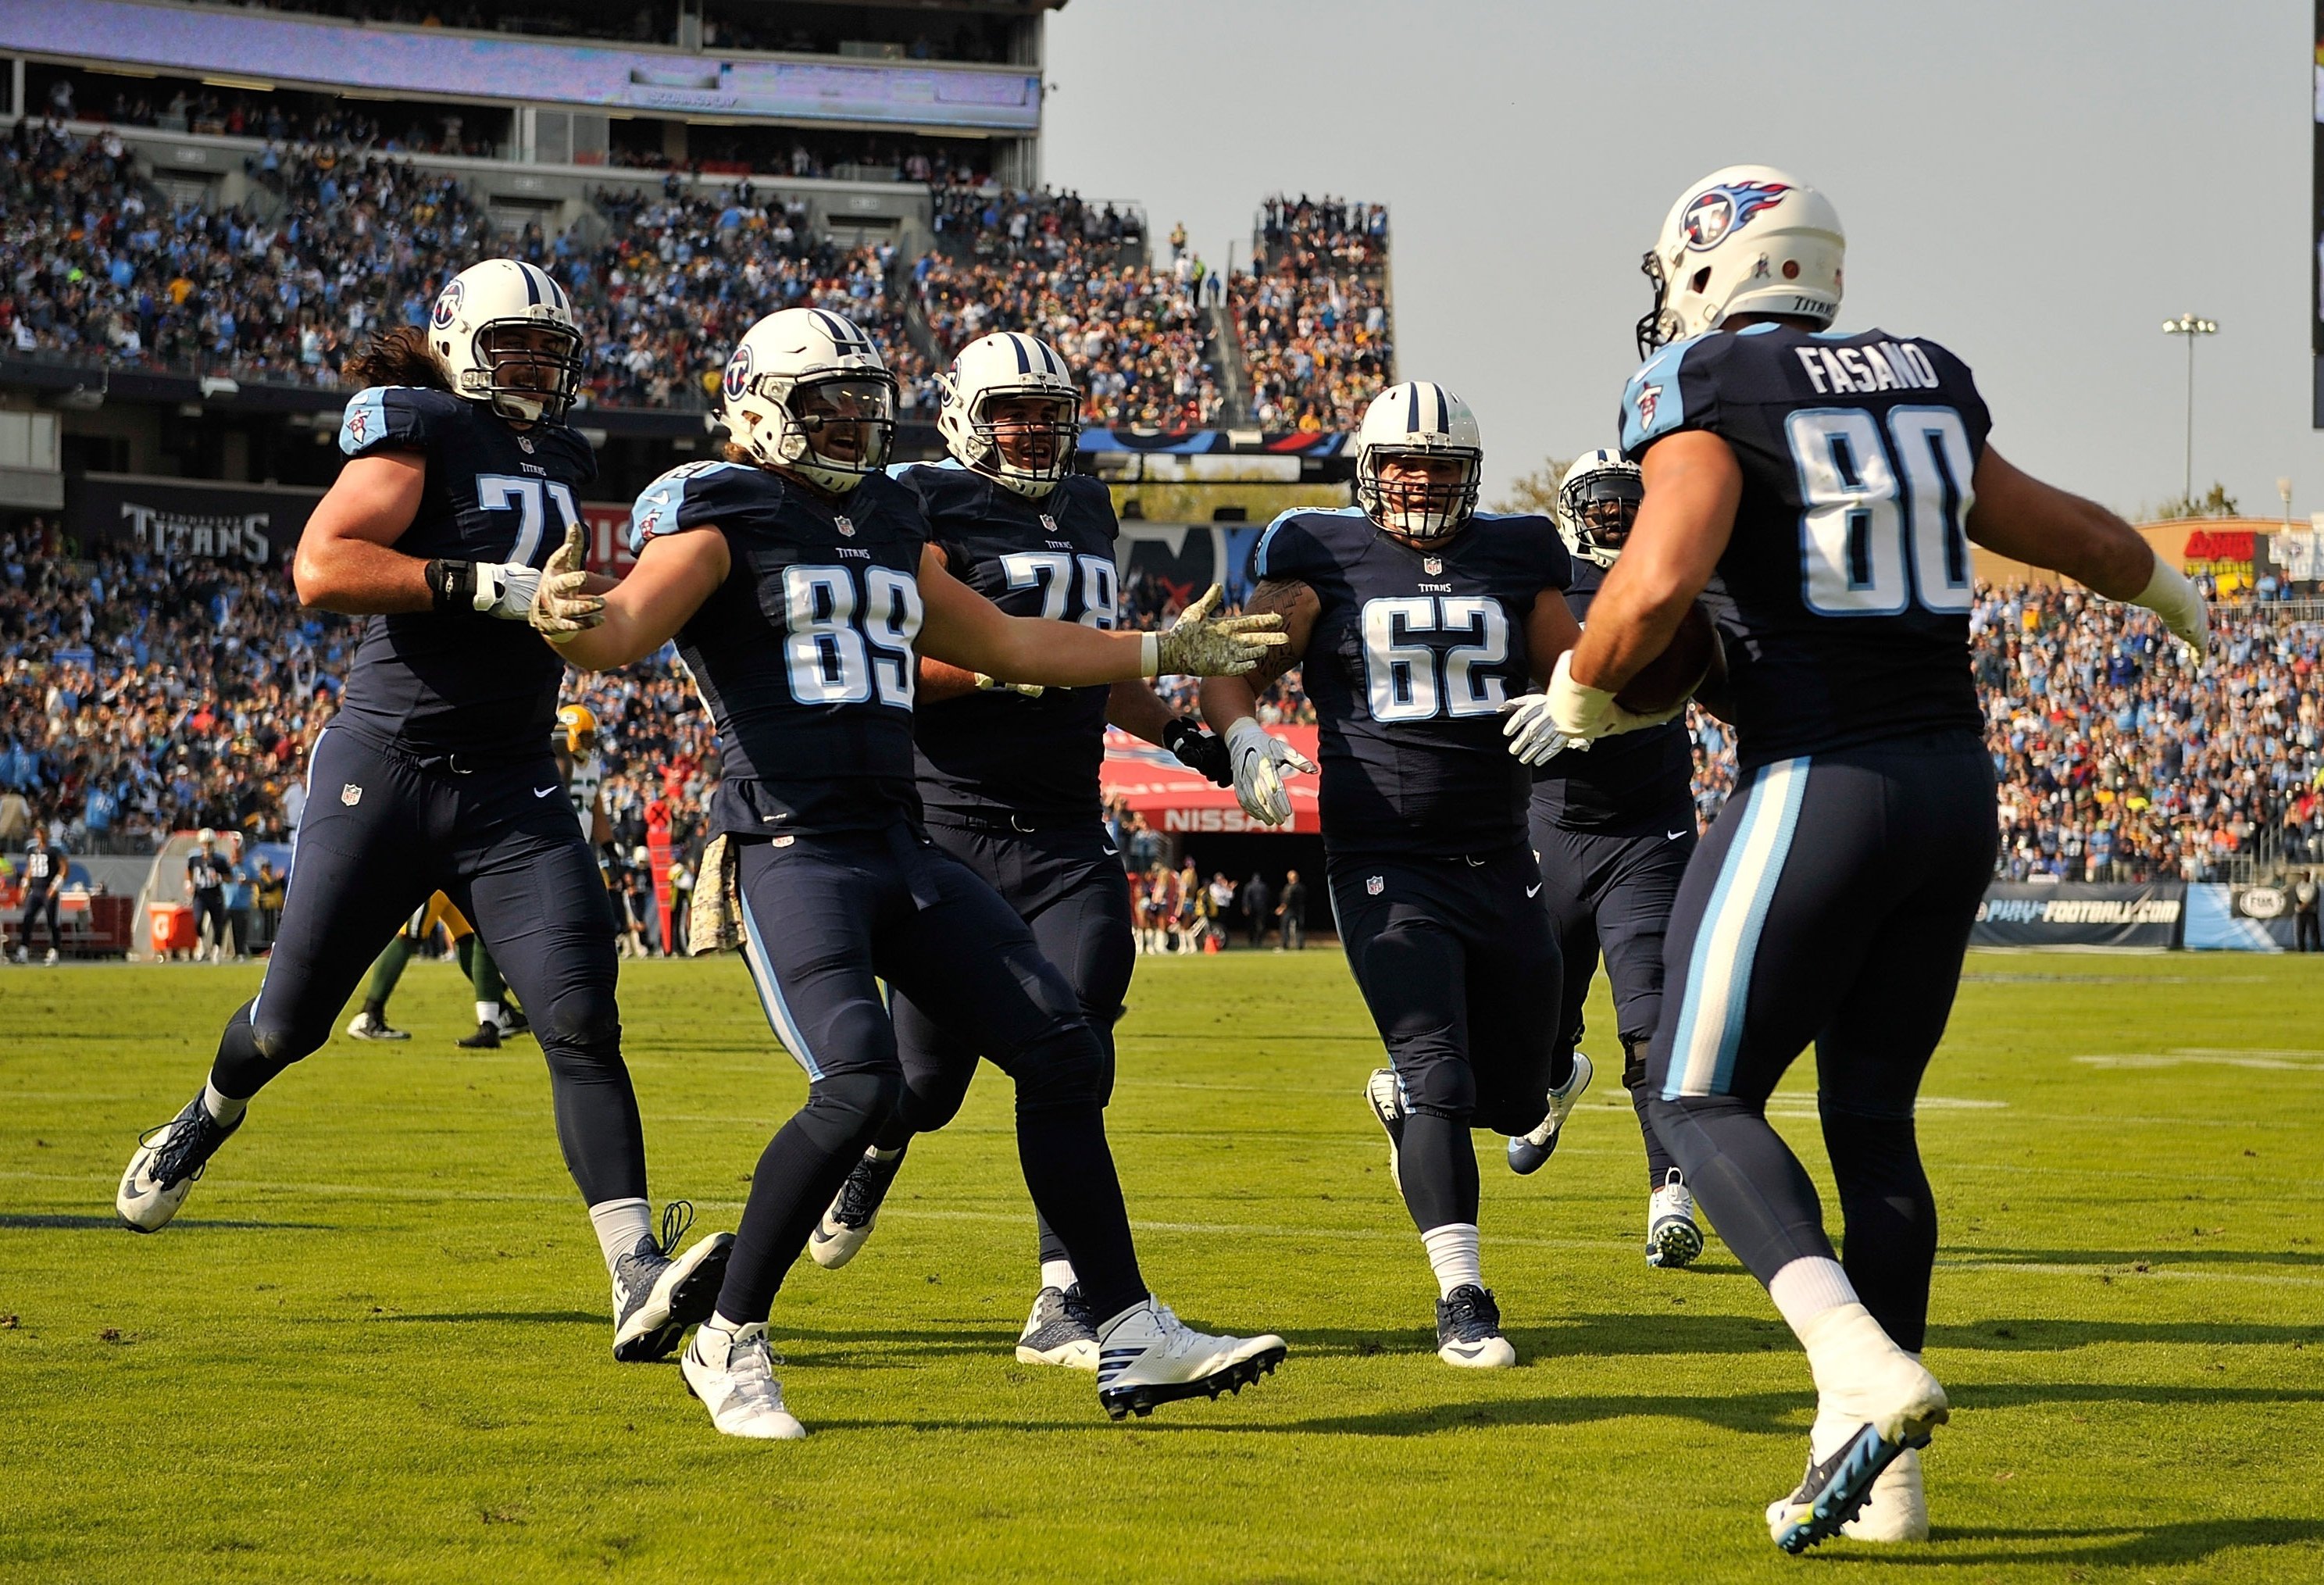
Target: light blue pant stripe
{"type": "Point", "coordinates": [1727, 942]}
{"type": "Point", "coordinates": [770, 993]}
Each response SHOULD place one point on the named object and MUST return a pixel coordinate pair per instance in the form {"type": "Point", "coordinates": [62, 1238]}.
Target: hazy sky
{"type": "Point", "coordinates": [2037, 185]}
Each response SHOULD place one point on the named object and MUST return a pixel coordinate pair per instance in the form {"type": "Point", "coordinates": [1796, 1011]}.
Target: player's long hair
{"type": "Point", "coordinates": [398, 356]}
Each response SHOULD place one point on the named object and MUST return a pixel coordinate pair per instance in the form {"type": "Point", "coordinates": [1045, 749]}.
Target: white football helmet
{"type": "Point", "coordinates": [995, 368]}
{"type": "Point", "coordinates": [486, 332]}
{"type": "Point", "coordinates": [1745, 240]}
{"type": "Point", "coordinates": [810, 358]}
{"type": "Point", "coordinates": [1418, 418]}
{"type": "Point", "coordinates": [1597, 502]}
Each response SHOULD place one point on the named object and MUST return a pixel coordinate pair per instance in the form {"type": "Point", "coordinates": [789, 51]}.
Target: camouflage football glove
{"type": "Point", "coordinates": [561, 605]}
{"type": "Point", "coordinates": [1200, 645]}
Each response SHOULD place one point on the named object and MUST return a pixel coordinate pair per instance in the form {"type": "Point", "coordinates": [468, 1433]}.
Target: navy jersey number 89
{"type": "Point", "coordinates": [1848, 566]}
{"type": "Point", "coordinates": [823, 742]}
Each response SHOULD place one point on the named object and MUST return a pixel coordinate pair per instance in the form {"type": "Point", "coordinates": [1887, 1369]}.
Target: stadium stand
{"type": "Point", "coordinates": [1312, 313]}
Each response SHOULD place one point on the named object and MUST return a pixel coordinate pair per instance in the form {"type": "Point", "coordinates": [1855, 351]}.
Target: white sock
{"type": "Point", "coordinates": [1807, 1287]}
{"type": "Point", "coordinates": [876, 1154]}
{"type": "Point", "coordinates": [1453, 1253]}
{"type": "Point", "coordinates": [620, 1224]}
{"type": "Point", "coordinates": [488, 1012]}
{"type": "Point", "coordinates": [719, 1319]}
{"type": "Point", "coordinates": [223, 1109]}
{"type": "Point", "coordinates": [1059, 1275]}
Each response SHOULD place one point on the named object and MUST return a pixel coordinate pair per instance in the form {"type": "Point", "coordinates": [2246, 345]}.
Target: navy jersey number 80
{"type": "Point", "coordinates": [1849, 566]}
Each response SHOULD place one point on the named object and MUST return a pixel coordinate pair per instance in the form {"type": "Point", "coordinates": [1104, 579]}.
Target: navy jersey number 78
{"type": "Point", "coordinates": [1849, 566]}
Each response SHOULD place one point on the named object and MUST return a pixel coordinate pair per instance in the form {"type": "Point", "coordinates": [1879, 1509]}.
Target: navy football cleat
{"type": "Point", "coordinates": [854, 1211]}
{"type": "Point", "coordinates": [658, 1295]}
{"type": "Point", "coordinates": [1528, 1153]}
{"type": "Point", "coordinates": [1469, 1330]}
{"type": "Point", "coordinates": [1059, 1331]}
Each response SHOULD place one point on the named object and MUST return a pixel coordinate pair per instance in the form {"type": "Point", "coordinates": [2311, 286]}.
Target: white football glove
{"type": "Point", "coordinates": [2171, 596]}
{"type": "Point", "coordinates": [1201, 645]}
{"type": "Point", "coordinates": [1533, 737]}
{"type": "Point", "coordinates": [557, 604]}
{"type": "Point", "coordinates": [984, 683]}
{"type": "Point", "coordinates": [1581, 711]}
{"type": "Point", "coordinates": [504, 589]}
{"type": "Point", "coordinates": [1257, 755]}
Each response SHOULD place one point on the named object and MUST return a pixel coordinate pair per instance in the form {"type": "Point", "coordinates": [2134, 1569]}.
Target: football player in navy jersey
{"type": "Point", "coordinates": [1418, 620]}
{"type": "Point", "coordinates": [435, 774]}
{"type": "Point", "coordinates": [1833, 482]}
{"type": "Point", "coordinates": [798, 581]}
{"type": "Point", "coordinates": [1613, 828]}
{"type": "Point", "coordinates": [1008, 775]}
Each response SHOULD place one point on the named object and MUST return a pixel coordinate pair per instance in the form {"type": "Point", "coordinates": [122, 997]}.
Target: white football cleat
{"type": "Point", "coordinates": [1528, 1152]}
{"type": "Point", "coordinates": [1386, 1098]}
{"type": "Point", "coordinates": [1898, 1508]}
{"type": "Point", "coordinates": [1059, 1331]}
{"type": "Point", "coordinates": [1673, 1237]}
{"type": "Point", "coordinates": [733, 1374]}
{"type": "Point", "coordinates": [1895, 1413]}
{"type": "Point", "coordinates": [1148, 1356]}
{"type": "Point", "coordinates": [168, 1160]}
{"type": "Point", "coordinates": [369, 1026]}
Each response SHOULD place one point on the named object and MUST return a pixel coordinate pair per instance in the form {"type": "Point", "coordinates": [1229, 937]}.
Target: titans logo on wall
{"type": "Point", "coordinates": [1719, 211]}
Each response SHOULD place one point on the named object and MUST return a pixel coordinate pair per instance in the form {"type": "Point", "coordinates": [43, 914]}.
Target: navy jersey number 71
{"type": "Point", "coordinates": [1849, 566]}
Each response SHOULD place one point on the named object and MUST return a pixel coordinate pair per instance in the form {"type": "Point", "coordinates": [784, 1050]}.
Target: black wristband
{"type": "Point", "coordinates": [1199, 750]}
{"type": "Point", "coordinates": [453, 584]}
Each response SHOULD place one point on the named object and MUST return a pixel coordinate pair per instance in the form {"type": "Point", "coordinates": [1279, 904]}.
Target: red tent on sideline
{"type": "Point", "coordinates": [1174, 799]}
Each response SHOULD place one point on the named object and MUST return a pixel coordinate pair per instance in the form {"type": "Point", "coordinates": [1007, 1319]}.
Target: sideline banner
{"type": "Point", "coordinates": [2016, 913]}
{"type": "Point", "coordinates": [2240, 919]}
{"type": "Point", "coordinates": [254, 525]}
{"type": "Point", "coordinates": [1174, 799]}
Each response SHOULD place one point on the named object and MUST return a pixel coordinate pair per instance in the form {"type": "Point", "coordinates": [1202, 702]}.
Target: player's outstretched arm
{"type": "Point", "coordinates": [345, 561]}
{"type": "Point", "coordinates": [1139, 711]}
{"type": "Point", "coordinates": [962, 628]}
{"type": "Point", "coordinates": [940, 681]}
{"type": "Point", "coordinates": [2018, 516]}
{"type": "Point", "coordinates": [1257, 757]}
{"type": "Point", "coordinates": [674, 575]}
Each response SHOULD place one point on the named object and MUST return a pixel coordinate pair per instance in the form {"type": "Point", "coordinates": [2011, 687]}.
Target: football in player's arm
{"type": "Point", "coordinates": [1833, 482]}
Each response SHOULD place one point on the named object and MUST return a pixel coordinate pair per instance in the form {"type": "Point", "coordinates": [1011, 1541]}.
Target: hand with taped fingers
{"type": "Point", "coordinates": [1259, 759]}
{"type": "Point", "coordinates": [562, 605]}
{"type": "Point", "coordinates": [1199, 644]}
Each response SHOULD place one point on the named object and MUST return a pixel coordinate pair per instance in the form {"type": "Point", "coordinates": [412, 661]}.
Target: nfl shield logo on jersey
{"type": "Point", "coordinates": [1434, 566]}
{"type": "Point", "coordinates": [1048, 523]}
{"type": "Point", "coordinates": [351, 795]}
{"type": "Point", "coordinates": [1374, 885]}
{"type": "Point", "coordinates": [847, 525]}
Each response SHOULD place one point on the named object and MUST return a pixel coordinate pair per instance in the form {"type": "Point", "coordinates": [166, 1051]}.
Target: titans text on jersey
{"type": "Point", "coordinates": [1414, 652]}
{"type": "Point", "coordinates": [444, 682]}
{"type": "Point", "coordinates": [1849, 566]}
{"type": "Point", "coordinates": [823, 741]}
{"type": "Point", "coordinates": [994, 753]}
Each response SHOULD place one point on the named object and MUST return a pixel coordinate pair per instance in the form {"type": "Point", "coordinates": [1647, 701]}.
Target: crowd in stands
{"type": "Point", "coordinates": [1312, 313]}
{"type": "Point", "coordinates": [278, 118]}
{"type": "Point", "coordinates": [96, 262]}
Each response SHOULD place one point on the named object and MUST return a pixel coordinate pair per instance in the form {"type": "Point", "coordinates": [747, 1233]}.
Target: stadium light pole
{"type": "Point", "coordinates": [2191, 326]}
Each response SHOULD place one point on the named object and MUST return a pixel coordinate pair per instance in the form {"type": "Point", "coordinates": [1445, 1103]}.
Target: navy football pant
{"type": "Point", "coordinates": [40, 903]}
{"type": "Point", "coordinates": [1610, 894]}
{"type": "Point", "coordinates": [1071, 892]}
{"type": "Point", "coordinates": [826, 918]}
{"type": "Point", "coordinates": [1831, 904]}
{"type": "Point", "coordinates": [1454, 956]}
{"type": "Point", "coordinates": [382, 831]}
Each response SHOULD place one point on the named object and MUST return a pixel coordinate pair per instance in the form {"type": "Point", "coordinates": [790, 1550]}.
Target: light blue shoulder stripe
{"type": "Point", "coordinates": [1652, 404]}
{"type": "Point", "coordinates": [656, 511]}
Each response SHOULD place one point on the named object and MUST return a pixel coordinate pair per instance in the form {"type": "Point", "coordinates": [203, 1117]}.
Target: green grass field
{"type": "Point", "coordinates": [375, 1345]}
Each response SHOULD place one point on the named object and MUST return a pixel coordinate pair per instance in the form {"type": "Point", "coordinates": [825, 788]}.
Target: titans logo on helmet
{"type": "Point", "coordinates": [738, 374]}
{"type": "Point", "coordinates": [447, 306]}
{"type": "Point", "coordinates": [1719, 211]}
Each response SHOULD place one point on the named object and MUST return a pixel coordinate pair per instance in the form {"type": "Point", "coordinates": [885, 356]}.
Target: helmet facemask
{"type": "Point", "coordinates": [1597, 511]}
{"type": "Point", "coordinates": [833, 429]}
{"type": "Point", "coordinates": [528, 370]}
{"type": "Point", "coordinates": [1024, 449]}
{"type": "Point", "coordinates": [1419, 508]}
